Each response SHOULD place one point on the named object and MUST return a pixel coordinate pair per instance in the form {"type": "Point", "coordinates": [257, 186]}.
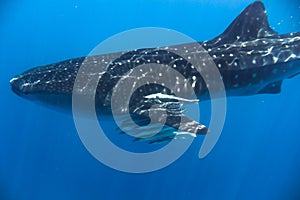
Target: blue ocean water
{"type": "Point", "coordinates": [42, 157]}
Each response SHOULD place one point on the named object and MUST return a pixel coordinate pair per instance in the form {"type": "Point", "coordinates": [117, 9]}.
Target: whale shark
{"type": "Point", "coordinates": [251, 58]}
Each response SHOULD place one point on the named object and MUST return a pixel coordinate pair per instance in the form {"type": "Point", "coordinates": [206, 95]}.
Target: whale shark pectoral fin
{"type": "Point", "coordinates": [272, 88]}
{"type": "Point", "coordinates": [251, 24]}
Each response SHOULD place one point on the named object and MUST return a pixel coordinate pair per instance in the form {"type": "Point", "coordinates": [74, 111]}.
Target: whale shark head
{"type": "Point", "coordinates": [51, 84]}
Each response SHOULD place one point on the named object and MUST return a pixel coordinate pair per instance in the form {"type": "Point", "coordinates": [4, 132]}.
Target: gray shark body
{"type": "Point", "coordinates": [250, 56]}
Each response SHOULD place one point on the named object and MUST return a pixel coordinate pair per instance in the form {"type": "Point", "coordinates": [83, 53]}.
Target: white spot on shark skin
{"type": "Point", "coordinates": [25, 85]}
{"type": "Point", "coordinates": [275, 59]}
{"type": "Point", "coordinates": [270, 50]}
{"type": "Point", "coordinates": [250, 52]}
{"type": "Point", "coordinates": [36, 82]}
{"type": "Point", "coordinates": [254, 75]}
{"type": "Point", "coordinates": [292, 56]}
{"type": "Point", "coordinates": [254, 61]}
{"type": "Point", "coordinates": [194, 84]}
{"type": "Point", "coordinates": [185, 85]}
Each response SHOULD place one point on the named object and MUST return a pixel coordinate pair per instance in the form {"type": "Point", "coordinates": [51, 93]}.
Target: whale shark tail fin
{"type": "Point", "coordinates": [251, 24]}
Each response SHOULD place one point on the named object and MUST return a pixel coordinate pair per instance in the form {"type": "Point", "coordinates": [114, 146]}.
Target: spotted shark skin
{"type": "Point", "coordinates": [250, 56]}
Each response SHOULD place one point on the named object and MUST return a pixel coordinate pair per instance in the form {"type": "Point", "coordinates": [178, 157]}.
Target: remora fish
{"type": "Point", "coordinates": [250, 56]}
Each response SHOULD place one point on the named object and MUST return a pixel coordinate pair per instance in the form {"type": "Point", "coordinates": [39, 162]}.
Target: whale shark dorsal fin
{"type": "Point", "coordinates": [251, 24]}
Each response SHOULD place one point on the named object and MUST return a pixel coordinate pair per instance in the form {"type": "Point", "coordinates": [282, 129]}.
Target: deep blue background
{"type": "Point", "coordinates": [41, 156]}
